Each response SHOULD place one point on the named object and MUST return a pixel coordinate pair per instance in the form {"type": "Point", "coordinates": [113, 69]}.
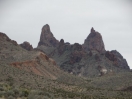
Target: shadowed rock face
{"type": "Point", "coordinates": [61, 48]}
{"type": "Point", "coordinates": [47, 38]}
{"type": "Point", "coordinates": [94, 42]}
{"type": "Point", "coordinates": [27, 46]}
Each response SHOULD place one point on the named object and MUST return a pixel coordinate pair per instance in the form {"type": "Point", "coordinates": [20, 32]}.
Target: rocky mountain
{"type": "Point", "coordinates": [27, 73]}
{"type": "Point", "coordinates": [88, 60]}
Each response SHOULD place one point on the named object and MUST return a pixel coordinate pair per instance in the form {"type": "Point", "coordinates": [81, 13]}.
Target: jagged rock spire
{"type": "Point", "coordinates": [62, 41]}
{"type": "Point", "coordinates": [46, 28]}
{"type": "Point", "coordinates": [47, 38]}
{"type": "Point", "coordinates": [92, 30]}
{"type": "Point", "coordinates": [94, 42]}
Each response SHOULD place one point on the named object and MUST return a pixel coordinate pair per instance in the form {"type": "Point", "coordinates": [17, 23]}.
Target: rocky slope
{"type": "Point", "coordinates": [35, 62]}
{"type": "Point", "coordinates": [88, 60]}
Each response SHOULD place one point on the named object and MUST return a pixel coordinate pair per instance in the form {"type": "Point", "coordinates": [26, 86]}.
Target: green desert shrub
{"type": "Point", "coordinates": [9, 93]}
{"type": "Point", "coordinates": [24, 93]}
{"type": "Point", "coordinates": [10, 97]}
{"type": "Point", "coordinates": [1, 89]}
{"type": "Point", "coordinates": [16, 92]}
{"type": "Point", "coordinates": [2, 93]}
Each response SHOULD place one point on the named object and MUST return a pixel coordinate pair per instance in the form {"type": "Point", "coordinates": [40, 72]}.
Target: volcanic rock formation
{"type": "Point", "coordinates": [83, 60]}
{"type": "Point", "coordinates": [94, 42]}
{"type": "Point", "coordinates": [27, 46]}
{"type": "Point", "coordinates": [47, 38]}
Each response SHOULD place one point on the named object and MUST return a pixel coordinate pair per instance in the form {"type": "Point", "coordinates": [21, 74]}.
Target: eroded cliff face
{"type": "Point", "coordinates": [94, 41]}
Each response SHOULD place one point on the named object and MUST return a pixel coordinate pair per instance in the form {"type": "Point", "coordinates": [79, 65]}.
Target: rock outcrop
{"type": "Point", "coordinates": [47, 38]}
{"type": "Point", "coordinates": [94, 42]}
{"type": "Point", "coordinates": [110, 56]}
{"type": "Point", "coordinates": [122, 63]}
{"type": "Point", "coordinates": [3, 37]}
{"type": "Point", "coordinates": [61, 47]}
{"type": "Point", "coordinates": [117, 59]}
{"type": "Point", "coordinates": [27, 46]}
{"type": "Point", "coordinates": [77, 47]}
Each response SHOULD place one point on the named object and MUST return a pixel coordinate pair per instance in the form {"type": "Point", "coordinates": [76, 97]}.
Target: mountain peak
{"type": "Point", "coordinates": [46, 28]}
{"type": "Point", "coordinates": [47, 38]}
{"type": "Point", "coordinates": [94, 41]}
{"type": "Point", "coordinates": [92, 30]}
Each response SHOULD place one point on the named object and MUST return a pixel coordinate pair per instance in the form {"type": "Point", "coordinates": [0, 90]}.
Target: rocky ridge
{"type": "Point", "coordinates": [88, 59]}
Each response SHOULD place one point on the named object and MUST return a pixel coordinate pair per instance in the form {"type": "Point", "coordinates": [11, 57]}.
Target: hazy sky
{"type": "Point", "coordinates": [71, 20]}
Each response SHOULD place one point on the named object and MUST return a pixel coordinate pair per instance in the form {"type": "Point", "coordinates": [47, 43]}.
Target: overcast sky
{"type": "Point", "coordinates": [71, 20]}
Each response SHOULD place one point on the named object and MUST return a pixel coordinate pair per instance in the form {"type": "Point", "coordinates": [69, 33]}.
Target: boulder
{"type": "Point", "coordinates": [26, 45]}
